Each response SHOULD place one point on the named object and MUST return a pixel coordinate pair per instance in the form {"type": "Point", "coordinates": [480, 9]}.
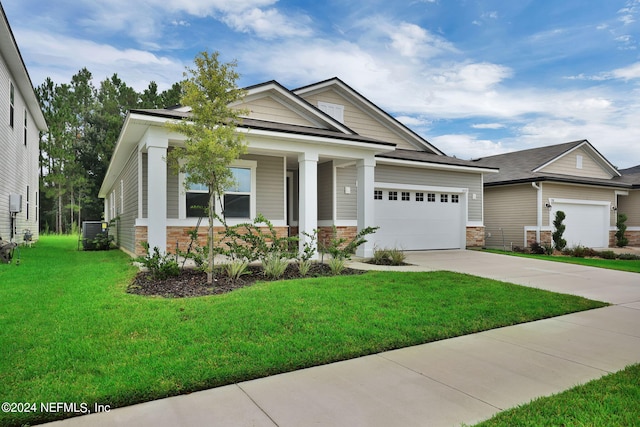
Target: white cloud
{"type": "Point", "coordinates": [467, 147]}
{"type": "Point", "coordinates": [268, 23]}
{"type": "Point", "coordinates": [488, 126]}
{"type": "Point", "coordinates": [55, 55]}
{"type": "Point", "coordinates": [628, 73]}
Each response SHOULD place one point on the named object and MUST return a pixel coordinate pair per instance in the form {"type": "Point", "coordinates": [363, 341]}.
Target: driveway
{"type": "Point", "coordinates": [614, 287]}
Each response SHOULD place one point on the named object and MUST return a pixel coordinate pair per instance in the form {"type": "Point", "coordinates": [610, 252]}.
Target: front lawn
{"type": "Point", "coordinates": [612, 264]}
{"type": "Point", "coordinates": [609, 401]}
{"type": "Point", "coordinates": [70, 333]}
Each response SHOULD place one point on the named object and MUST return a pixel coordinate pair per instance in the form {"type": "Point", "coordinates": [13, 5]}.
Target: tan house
{"type": "Point", "coordinates": [522, 200]}
{"type": "Point", "coordinates": [21, 121]}
{"type": "Point", "coordinates": [318, 156]}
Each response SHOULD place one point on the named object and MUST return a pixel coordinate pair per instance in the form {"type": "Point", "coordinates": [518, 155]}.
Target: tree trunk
{"type": "Point", "coordinates": [210, 239]}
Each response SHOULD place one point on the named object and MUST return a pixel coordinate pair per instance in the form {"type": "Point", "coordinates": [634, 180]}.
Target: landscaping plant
{"type": "Point", "coordinates": [558, 242]}
{"type": "Point", "coordinates": [621, 241]}
{"type": "Point", "coordinates": [308, 250]}
{"type": "Point", "coordinates": [160, 265]}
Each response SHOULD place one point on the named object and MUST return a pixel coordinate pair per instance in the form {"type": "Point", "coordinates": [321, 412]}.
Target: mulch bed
{"type": "Point", "coordinates": [193, 283]}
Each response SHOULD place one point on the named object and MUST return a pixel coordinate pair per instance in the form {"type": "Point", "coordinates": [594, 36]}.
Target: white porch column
{"type": "Point", "coordinates": [308, 196]}
{"type": "Point", "coordinates": [366, 185]}
{"type": "Point", "coordinates": [156, 190]}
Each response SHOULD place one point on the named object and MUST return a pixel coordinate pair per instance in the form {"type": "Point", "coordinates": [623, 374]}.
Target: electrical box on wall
{"type": "Point", "coordinates": [15, 203]}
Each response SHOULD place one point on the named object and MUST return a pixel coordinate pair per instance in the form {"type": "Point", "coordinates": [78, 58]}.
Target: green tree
{"type": "Point", "coordinates": [212, 142]}
{"type": "Point", "coordinates": [558, 241]}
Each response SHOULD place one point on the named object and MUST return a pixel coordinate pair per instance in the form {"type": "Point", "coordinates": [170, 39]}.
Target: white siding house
{"type": "Point", "coordinates": [21, 120]}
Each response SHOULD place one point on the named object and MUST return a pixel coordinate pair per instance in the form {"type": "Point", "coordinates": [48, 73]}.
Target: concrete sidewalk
{"type": "Point", "coordinates": [445, 383]}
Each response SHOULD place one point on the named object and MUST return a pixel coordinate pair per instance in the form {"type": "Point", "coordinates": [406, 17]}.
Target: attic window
{"type": "Point", "coordinates": [334, 110]}
{"type": "Point", "coordinates": [578, 161]}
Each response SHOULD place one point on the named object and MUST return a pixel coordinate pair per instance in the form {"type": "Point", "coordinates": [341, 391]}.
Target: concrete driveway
{"type": "Point", "coordinates": [615, 287]}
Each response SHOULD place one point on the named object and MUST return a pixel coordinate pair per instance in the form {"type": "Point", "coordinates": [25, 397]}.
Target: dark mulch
{"type": "Point", "coordinates": [192, 283]}
{"type": "Point", "coordinates": [386, 262]}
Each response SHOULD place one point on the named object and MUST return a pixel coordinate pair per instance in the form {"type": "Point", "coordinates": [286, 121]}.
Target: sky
{"type": "Point", "coordinates": [474, 77]}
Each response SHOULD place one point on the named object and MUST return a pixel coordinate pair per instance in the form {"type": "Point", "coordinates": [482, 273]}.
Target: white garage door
{"type": "Point", "coordinates": [417, 220]}
{"type": "Point", "coordinates": [587, 223]}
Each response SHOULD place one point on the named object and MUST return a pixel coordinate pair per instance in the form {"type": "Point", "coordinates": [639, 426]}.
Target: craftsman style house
{"type": "Point", "coordinates": [318, 156]}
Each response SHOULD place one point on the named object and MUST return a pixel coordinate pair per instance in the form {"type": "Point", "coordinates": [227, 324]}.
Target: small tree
{"type": "Point", "coordinates": [558, 241]}
{"type": "Point", "coordinates": [212, 141]}
{"type": "Point", "coordinates": [621, 241]}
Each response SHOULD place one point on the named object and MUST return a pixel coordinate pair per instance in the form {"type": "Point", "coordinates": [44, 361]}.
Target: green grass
{"type": "Point", "coordinates": [70, 333]}
{"type": "Point", "coordinates": [611, 264]}
{"type": "Point", "coordinates": [613, 400]}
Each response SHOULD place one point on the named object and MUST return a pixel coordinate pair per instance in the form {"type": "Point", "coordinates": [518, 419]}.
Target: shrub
{"type": "Point", "coordinates": [580, 251]}
{"type": "Point", "coordinates": [607, 254]}
{"type": "Point", "coordinates": [388, 257]}
{"type": "Point", "coordinates": [337, 265]}
{"type": "Point", "coordinates": [160, 266]}
{"type": "Point", "coordinates": [304, 265]}
{"type": "Point", "coordinates": [558, 242]}
{"type": "Point", "coordinates": [194, 251]}
{"type": "Point", "coordinates": [629, 257]}
{"type": "Point", "coordinates": [308, 250]}
{"type": "Point", "coordinates": [537, 248]}
{"type": "Point", "coordinates": [274, 265]}
{"type": "Point", "coordinates": [337, 248]}
{"type": "Point", "coordinates": [236, 268]}
{"type": "Point", "coordinates": [621, 241]}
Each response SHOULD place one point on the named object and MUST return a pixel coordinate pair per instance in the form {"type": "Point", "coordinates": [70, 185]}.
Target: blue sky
{"type": "Point", "coordinates": [474, 77]}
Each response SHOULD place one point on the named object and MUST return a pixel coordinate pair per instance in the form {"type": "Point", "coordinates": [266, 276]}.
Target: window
{"type": "Point", "coordinates": [444, 198]}
{"type": "Point", "coordinates": [377, 195]}
{"type": "Point", "coordinates": [25, 126]}
{"type": "Point", "coordinates": [431, 197]}
{"type": "Point", "coordinates": [393, 195]}
{"type": "Point", "coordinates": [36, 213]}
{"type": "Point", "coordinates": [197, 200]}
{"type": "Point", "coordinates": [237, 199]}
{"type": "Point", "coordinates": [578, 161]}
{"type": "Point", "coordinates": [27, 203]}
{"type": "Point", "coordinates": [11, 103]}
{"type": "Point", "coordinates": [334, 110]}
{"type": "Point", "coordinates": [112, 204]}
{"type": "Point", "coordinates": [455, 198]}
{"type": "Point", "coordinates": [419, 197]}
{"type": "Point", "coordinates": [406, 196]}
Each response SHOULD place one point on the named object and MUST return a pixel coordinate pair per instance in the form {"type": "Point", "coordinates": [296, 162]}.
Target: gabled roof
{"type": "Point", "coordinates": [630, 176]}
{"type": "Point", "coordinates": [11, 54]}
{"type": "Point", "coordinates": [295, 103]}
{"type": "Point", "coordinates": [528, 165]}
{"type": "Point", "coordinates": [350, 93]}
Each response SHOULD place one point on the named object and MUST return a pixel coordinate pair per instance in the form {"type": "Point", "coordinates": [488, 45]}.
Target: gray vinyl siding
{"type": "Point", "coordinates": [630, 206]}
{"type": "Point", "coordinates": [173, 194]}
{"type": "Point", "coordinates": [270, 186]}
{"type": "Point", "coordinates": [567, 165]}
{"type": "Point", "coordinates": [18, 163]}
{"type": "Point", "coordinates": [347, 204]}
{"type": "Point", "coordinates": [358, 120]}
{"type": "Point", "coordinates": [436, 178]}
{"type": "Point", "coordinates": [560, 191]}
{"type": "Point", "coordinates": [128, 210]}
{"type": "Point", "coordinates": [325, 191]}
{"type": "Point", "coordinates": [267, 108]}
{"type": "Point", "coordinates": [508, 210]}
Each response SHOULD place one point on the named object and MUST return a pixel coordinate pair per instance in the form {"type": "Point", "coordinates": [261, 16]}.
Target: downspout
{"type": "Point", "coordinates": [539, 209]}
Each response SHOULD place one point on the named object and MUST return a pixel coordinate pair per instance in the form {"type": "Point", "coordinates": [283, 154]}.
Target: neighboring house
{"type": "Point", "coordinates": [522, 200]}
{"type": "Point", "coordinates": [21, 120]}
{"type": "Point", "coordinates": [630, 205]}
{"type": "Point", "coordinates": [318, 156]}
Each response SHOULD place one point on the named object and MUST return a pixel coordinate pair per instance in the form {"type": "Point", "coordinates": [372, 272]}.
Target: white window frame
{"type": "Point", "coordinates": [112, 205]}
{"type": "Point", "coordinates": [242, 164]}
{"type": "Point", "coordinates": [578, 161]}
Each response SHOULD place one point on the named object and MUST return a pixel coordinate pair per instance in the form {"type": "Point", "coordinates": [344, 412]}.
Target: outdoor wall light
{"type": "Point", "coordinates": [614, 208]}
{"type": "Point", "coordinates": [547, 205]}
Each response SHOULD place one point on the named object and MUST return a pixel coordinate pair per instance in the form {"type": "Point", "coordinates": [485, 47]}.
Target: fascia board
{"type": "Point", "coordinates": [439, 166]}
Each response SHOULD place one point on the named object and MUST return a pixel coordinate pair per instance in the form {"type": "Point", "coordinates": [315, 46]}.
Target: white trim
{"type": "Point", "coordinates": [413, 187]}
{"type": "Point", "coordinates": [629, 228]}
{"type": "Point", "coordinates": [580, 202]}
{"type": "Point", "coordinates": [438, 166]}
{"type": "Point", "coordinates": [192, 222]}
{"type": "Point", "coordinates": [334, 191]}
{"type": "Point", "coordinates": [591, 149]}
{"type": "Point", "coordinates": [475, 224]}
{"type": "Point", "coordinates": [121, 196]}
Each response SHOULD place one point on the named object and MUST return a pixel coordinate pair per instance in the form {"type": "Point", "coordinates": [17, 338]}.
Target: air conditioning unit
{"type": "Point", "coordinates": [15, 203]}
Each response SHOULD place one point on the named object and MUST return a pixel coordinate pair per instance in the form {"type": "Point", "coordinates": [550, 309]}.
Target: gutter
{"type": "Point", "coordinates": [538, 187]}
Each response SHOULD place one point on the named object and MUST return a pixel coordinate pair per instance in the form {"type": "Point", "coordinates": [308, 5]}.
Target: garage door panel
{"type": "Point", "coordinates": [416, 225]}
{"type": "Point", "coordinates": [586, 224]}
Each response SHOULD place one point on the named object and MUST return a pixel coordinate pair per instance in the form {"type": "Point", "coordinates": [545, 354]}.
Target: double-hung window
{"type": "Point", "coordinates": [237, 201]}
